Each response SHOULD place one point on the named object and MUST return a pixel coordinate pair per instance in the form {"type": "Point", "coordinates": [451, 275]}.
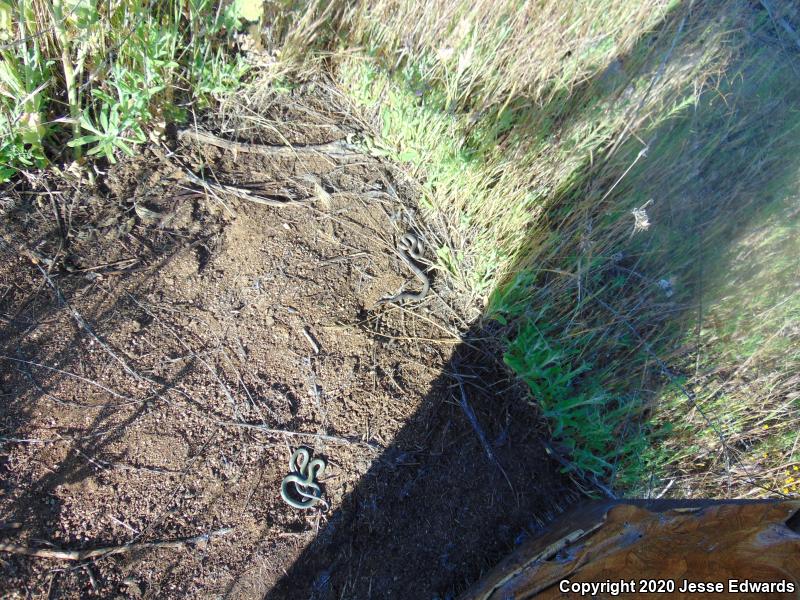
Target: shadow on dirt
{"type": "Point", "coordinates": [435, 510]}
{"type": "Point", "coordinates": [444, 502]}
{"type": "Point", "coordinates": [35, 364]}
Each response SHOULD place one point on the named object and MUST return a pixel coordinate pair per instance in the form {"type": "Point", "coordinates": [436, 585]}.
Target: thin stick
{"type": "Point", "coordinates": [320, 436]}
{"type": "Point", "coordinates": [198, 136]}
{"type": "Point", "coordinates": [85, 326]}
{"type": "Point", "coordinates": [649, 89]}
{"type": "Point", "coordinates": [78, 555]}
{"type": "Point", "coordinates": [310, 338]}
{"type": "Point", "coordinates": [473, 420]}
{"type": "Point", "coordinates": [74, 375]}
{"type": "Point", "coordinates": [419, 339]}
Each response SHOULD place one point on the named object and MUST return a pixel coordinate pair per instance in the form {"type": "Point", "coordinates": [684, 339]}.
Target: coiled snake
{"type": "Point", "coordinates": [411, 249]}
{"type": "Point", "coordinates": [303, 472]}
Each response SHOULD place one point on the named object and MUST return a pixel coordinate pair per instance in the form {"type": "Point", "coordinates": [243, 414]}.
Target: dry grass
{"type": "Point", "coordinates": [482, 52]}
{"type": "Point", "coordinates": [508, 134]}
{"type": "Point", "coordinates": [593, 179]}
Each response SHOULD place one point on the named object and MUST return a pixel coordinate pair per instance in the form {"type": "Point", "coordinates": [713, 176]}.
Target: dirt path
{"type": "Point", "coordinates": [157, 376]}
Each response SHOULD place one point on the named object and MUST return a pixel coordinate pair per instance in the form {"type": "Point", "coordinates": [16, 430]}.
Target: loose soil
{"type": "Point", "coordinates": [164, 351]}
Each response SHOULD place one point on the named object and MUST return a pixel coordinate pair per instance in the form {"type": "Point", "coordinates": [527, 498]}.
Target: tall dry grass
{"type": "Point", "coordinates": [594, 164]}
{"type": "Point", "coordinates": [488, 53]}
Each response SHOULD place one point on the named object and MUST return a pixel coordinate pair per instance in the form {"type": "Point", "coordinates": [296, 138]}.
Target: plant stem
{"type": "Point", "coordinates": [69, 72]}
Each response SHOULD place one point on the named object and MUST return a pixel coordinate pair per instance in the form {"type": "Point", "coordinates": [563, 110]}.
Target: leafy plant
{"type": "Point", "coordinates": [119, 66]}
{"type": "Point", "coordinates": [596, 429]}
{"type": "Point", "coordinates": [113, 130]}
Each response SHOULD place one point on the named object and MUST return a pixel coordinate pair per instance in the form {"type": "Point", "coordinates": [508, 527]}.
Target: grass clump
{"type": "Point", "coordinates": [92, 76]}
{"type": "Point", "coordinates": [586, 419]}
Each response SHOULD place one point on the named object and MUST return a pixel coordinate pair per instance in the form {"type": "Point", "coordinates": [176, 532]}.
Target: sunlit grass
{"type": "Point", "coordinates": [604, 187]}
{"type": "Point", "coordinates": [92, 75]}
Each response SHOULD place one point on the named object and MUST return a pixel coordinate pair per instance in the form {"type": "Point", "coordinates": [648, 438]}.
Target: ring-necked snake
{"type": "Point", "coordinates": [303, 472]}
{"type": "Point", "coordinates": [411, 249]}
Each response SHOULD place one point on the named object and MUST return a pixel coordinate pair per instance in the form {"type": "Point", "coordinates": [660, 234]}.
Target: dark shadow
{"type": "Point", "coordinates": [435, 511]}
{"type": "Point", "coordinates": [438, 506]}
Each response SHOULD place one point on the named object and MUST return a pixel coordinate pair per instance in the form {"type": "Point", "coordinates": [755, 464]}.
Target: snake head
{"type": "Point", "coordinates": [413, 245]}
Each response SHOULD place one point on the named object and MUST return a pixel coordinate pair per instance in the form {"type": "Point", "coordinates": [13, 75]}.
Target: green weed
{"type": "Point", "coordinates": [601, 164]}
{"type": "Point", "coordinates": [600, 432]}
{"type": "Point", "coordinates": [112, 131]}
{"type": "Point", "coordinates": [119, 66]}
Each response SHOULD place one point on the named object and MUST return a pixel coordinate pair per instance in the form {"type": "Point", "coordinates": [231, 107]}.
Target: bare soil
{"type": "Point", "coordinates": [163, 351]}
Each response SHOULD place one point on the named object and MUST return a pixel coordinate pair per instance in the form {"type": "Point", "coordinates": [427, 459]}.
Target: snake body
{"type": "Point", "coordinates": [411, 250]}
{"type": "Point", "coordinates": [303, 472]}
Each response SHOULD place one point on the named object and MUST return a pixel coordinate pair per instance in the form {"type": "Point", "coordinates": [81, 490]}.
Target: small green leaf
{"type": "Point", "coordinates": [410, 155]}
{"type": "Point", "coordinates": [82, 141]}
{"type": "Point", "coordinates": [6, 173]}
{"type": "Point", "coordinates": [123, 146]}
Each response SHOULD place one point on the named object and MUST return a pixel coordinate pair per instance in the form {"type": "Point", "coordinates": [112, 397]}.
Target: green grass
{"type": "Point", "coordinates": [492, 166]}
{"type": "Point", "coordinates": [687, 115]}
{"type": "Point", "coordinates": [95, 75]}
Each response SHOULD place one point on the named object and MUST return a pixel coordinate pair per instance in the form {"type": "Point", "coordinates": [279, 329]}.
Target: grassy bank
{"type": "Point", "coordinates": [606, 174]}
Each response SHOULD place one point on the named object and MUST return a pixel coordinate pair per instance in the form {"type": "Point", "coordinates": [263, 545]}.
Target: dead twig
{"type": "Point", "coordinates": [127, 399]}
{"type": "Point", "coordinates": [82, 324]}
{"type": "Point", "coordinates": [310, 338]}
{"type": "Point", "coordinates": [241, 193]}
{"type": "Point", "coordinates": [570, 468]}
{"type": "Point", "coordinates": [336, 149]}
{"type": "Point", "coordinates": [473, 421]}
{"type": "Point", "coordinates": [338, 259]}
{"type": "Point", "coordinates": [79, 555]}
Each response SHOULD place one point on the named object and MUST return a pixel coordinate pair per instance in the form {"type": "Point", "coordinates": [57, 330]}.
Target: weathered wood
{"type": "Point", "coordinates": [683, 541]}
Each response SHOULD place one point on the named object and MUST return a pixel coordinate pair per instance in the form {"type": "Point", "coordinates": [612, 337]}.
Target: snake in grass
{"type": "Point", "coordinates": [411, 251]}
{"type": "Point", "coordinates": [303, 472]}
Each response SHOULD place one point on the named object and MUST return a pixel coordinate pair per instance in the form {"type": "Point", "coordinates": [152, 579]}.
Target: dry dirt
{"type": "Point", "coordinates": [163, 352]}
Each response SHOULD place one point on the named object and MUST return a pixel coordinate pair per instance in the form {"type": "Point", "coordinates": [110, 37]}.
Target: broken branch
{"type": "Point", "coordinates": [78, 555]}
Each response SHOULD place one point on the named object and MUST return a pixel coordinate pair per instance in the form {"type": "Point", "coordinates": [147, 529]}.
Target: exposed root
{"type": "Point", "coordinates": [79, 555]}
